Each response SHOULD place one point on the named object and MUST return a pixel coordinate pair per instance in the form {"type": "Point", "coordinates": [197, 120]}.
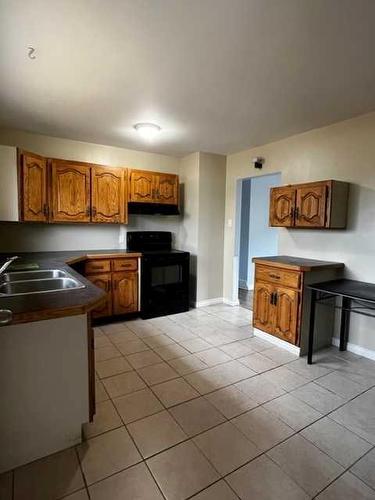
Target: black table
{"type": "Point", "coordinates": [357, 297]}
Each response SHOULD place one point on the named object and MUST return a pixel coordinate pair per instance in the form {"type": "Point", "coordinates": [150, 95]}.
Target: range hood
{"type": "Point", "coordinates": [152, 208]}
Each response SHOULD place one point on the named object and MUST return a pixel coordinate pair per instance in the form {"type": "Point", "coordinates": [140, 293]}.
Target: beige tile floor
{"type": "Point", "coordinates": [193, 406]}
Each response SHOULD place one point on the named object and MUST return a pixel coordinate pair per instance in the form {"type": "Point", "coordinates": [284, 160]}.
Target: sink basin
{"type": "Point", "coordinates": [33, 275]}
{"type": "Point", "coordinates": [32, 282]}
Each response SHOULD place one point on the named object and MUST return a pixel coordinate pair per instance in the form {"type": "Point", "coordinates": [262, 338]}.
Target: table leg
{"type": "Point", "coordinates": [345, 321]}
{"type": "Point", "coordinates": [311, 327]}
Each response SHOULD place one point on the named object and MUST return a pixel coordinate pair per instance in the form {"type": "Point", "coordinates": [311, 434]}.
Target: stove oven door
{"type": "Point", "coordinates": [164, 284]}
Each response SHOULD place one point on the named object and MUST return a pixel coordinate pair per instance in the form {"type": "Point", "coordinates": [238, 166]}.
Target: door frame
{"type": "Point", "coordinates": [237, 231]}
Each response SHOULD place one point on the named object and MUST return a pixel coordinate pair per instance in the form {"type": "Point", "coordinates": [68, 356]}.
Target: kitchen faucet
{"type": "Point", "coordinates": [7, 263]}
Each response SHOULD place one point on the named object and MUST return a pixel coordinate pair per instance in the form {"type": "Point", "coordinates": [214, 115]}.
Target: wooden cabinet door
{"type": "Point", "coordinates": [311, 206]}
{"type": "Point", "coordinates": [263, 314]}
{"type": "Point", "coordinates": [70, 192]}
{"type": "Point", "coordinates": [108, 195]}
{"type": "Point", "coordinates": [282, 206]}
{"type": "Point", "coordinates": [141, 186]}
{"type": "Point", "coordinates": [166, 189]}
{"type": "Point", "coordinates": [104, 282]}
{"type": "Point", "coordinates": [286, 314]}
{"type": "Point", "coordinates": [33, 188]}
{"type": "Point", "coordinates": [125, 292]}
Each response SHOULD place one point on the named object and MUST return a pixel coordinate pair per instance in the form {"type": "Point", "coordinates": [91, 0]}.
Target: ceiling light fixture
{"type": "Point", "coordinates": [147, 130]}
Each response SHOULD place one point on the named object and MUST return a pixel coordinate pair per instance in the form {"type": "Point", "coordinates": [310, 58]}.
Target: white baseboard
{"type": "Point", "coordinates": [209, 302]}
{"type": "Point", "coordinates": [231, 302]}
{"type": "Point", "coordinates": [276, 341]}
{"type": "Point", "coordinates": [356, 349]}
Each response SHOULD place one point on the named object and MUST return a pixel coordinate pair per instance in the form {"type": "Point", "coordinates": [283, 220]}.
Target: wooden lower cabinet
{"type": "Point", "coordinates": [276, 311]}
{"type": "Point", "coordinates": [286, 314]}
{"type": "Point", "coordinates": [103, 281]}
{"type": "Point", "coordinates": [277, 305]}
{"type": "Point", "coordinates": [119, 278]}
{"type": "Point", "coordinates": [263, 309]}
{"type": "Point", "coordinates": [125, 292]}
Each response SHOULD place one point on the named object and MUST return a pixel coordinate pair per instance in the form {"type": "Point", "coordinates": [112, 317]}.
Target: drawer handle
{"type": "Point", "coordinates": [96, 267]}
{"type": "Point", "coordinates": [274, 276]}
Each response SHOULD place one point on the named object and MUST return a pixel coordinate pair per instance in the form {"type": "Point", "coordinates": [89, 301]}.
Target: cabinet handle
{"type": "Point", "coordinates": [292, 213]}
{"type": "Point", "coordinates": [275, 299]}
{"type": "Point", "coordinates": [274, 276]}
{"type": "Point", "coordinates": [271, 299]}
{"type": "Point", "coordinates": [87, 211]}
{"type": "Point", "coordinates": [296, 213]}
{"type": "Point", "coordinates": [45, 209]}
{"type": "Point", "coordinates": [93, 211]}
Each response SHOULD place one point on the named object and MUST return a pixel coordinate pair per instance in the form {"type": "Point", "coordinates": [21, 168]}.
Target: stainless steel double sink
{"type": "Point", "coordinates": [33, 282]}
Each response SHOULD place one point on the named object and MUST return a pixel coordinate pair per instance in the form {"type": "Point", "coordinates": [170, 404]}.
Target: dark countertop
{"type": "Point", "coordinates": [297, 263]}
{"type": "Point", "coordinates": [26, 308]}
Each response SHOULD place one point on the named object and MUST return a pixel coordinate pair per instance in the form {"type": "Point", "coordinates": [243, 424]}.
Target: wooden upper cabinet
{"type": "Point", "coordinates": [311, 204]}
{"type": "Point", "coordinates": [70, 192]}
{"type": "Point", "coordinates": [108, 195]}
{"type": "Point", "coordinates": [286, 314]}
{"type": "Point", "coordinates": [141, 186]}
{"type": "Point", "coordinates": [153, 187]}
{"type": "Point", "coordinates": [282, 206]}
{"type": "Point", "coordinates": [125, 292]}
{"type": "Point", "coordinates": [320, 204]}
{"type": "Point", "coordinates": [166, 188]}
{"type": "Point", "coordinates": [33, 187]}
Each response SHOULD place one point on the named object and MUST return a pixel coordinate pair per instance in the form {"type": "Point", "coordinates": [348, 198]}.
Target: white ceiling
{"type": "Point", "coordinates": [216, 75]}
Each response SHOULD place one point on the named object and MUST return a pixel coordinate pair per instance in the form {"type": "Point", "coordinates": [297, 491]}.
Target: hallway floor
{"type": "Point", "coordinates": [245, 298]}
{"type": "Point", "coordinates": [194, 406]}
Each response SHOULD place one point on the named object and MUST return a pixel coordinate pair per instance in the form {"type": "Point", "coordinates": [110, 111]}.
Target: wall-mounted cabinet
{"type": "Point", "coordinates": [57, 191]}
{"type": "Point", "coordinates": [153, 187]}
{"type": "Point", "coordinates": [319, 205]}
{"type": "Point", "coordinates": [33, 187]}
{"type": "Point", "coordinates": [83, 193]}
{"type": "Point", "coordinates": [70, 192]}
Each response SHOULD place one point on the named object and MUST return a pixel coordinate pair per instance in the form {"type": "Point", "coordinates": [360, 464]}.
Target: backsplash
{"type": "Point", "coordinates": [26, 237]}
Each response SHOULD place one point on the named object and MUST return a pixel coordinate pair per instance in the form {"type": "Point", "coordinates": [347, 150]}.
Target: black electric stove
{"type": "Point", "coordinates": [164, 273]}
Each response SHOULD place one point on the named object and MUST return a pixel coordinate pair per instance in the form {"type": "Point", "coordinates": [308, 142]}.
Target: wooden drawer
{"type": "Point", "coordinates": [98, 266]}
{"type": "Point", "coordinates": [290, 279]}
{"type": "Point", "coordinates": [130, 264]}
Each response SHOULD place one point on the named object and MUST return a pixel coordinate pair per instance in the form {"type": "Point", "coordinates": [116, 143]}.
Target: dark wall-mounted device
{"type": "Point", "coordinates": [258, 162]}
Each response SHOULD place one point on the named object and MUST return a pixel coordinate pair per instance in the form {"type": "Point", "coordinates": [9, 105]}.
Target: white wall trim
{"type": "Point", "coordinates": [276, 341]}
{"type": "Point", "coordinates": [231, 302]}
{"type": "Point", "coordinates": [209, 302]}
{"type": "Point", "coordinates": [356, 349]}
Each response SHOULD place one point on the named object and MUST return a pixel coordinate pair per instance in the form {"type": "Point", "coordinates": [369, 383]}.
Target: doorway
{"type": "Point", "coordinates": [255, 237]}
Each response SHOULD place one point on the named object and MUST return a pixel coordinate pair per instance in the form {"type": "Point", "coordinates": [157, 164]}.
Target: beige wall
{"type": "Point", "coordinates": [211, 226]}
{"type": "Point", "coordinates": [188, 230]}
{"type": "Point", "coordinates": [344, 151]}
{"type": "Point", "coordinates": [202, 226]}
{"type": "Point", "coordinates": [38, 237]}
